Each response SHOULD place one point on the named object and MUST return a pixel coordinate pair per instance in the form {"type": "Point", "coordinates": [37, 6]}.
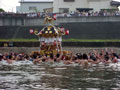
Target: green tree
{"type": "Point", "coordinates": [1, 10]}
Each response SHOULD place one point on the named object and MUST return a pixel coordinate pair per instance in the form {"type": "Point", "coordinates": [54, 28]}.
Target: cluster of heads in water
{"type": "Point", "coordinates": [94, 57]}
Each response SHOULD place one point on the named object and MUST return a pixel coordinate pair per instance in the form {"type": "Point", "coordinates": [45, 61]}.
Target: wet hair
{"type": "Point", "coordinates": [20, 57]}
{"type": "Point", "coordinates": [55, 60]}
{"type": "Point", "coordinates": [7, 57]}
{"type": "Point", "coordinates": [1, 57]}
{"type": "Point", "coordinates": [85, 56]}
{"type": "Point", "coordinates": [115, 55]}
{"type": "Point", "coordinates": [75, 58]}
{"type": "Point", "coordinates": [93, 58]}
{"type": "Point", "coordinates": [10, 56]}
{"type": "Point", "coordinates": [51, 56]}
{"type": "Point", "coordinates": [39, 56]}
{"type": "Point", "coordinates": [58, 55]}
{"type": "Point", "coordinates": [106, 57]}
{"type": "Point", "coordinates": [107, 53]}
{"type": "Point", "coordinates": [26, 56]}
{"type": "Point", "coordinates": [34, 56]}
{"type": "Point", "coordinates": [101, 54]}
{"type": "Point", "coordinates": [43, 60]}
{"type": "Point", "coordinates": [79, 55]}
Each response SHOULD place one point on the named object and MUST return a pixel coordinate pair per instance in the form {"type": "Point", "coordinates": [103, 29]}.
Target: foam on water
{"type": "Point", "coordinates": [16, 63]}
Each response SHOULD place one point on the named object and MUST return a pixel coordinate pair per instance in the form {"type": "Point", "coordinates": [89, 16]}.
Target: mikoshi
{"type": "Point", "coordinates": [50, 38]}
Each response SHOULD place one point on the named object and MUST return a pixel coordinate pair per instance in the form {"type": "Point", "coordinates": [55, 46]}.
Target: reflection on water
{"type": "Point", "coordinates": [19, 76]}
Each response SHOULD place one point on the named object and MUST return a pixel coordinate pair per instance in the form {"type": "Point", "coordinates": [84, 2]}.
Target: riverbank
{"type": "Point", "coordinates": [28, 50]}
{"type": "Point", "coordinates": [64, 44]}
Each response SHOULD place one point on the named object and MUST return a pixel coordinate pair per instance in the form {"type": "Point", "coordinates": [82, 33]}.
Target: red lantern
{"type": "Point", "coordinates": [66, 32]}
{"type": "Point", "coordinates": [54, 16]}
{"type": "Point", "coordinates": [31, 31]}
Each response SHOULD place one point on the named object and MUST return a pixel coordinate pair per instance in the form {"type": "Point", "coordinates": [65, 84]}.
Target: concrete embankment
{"type": "Point", "coordinates": [80, 27]}
{"type": "Point", "coordinates": [83, 30]}
{"type": "Point", "coordinates": [34, 21]}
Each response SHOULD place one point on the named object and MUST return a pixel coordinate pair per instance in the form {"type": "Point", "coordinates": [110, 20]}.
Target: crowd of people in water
{"type": "Point", "coordinates": [70, 14]}
{"type": "Point", "coordinates": [94, 57]}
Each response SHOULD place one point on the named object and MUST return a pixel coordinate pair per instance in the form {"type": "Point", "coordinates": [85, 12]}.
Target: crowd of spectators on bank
{"type": "Point", "coordinates": [75, 14]}
{"type": "Point", "coordinates": [12, 14]}
{"type": "Point", "coordinates": [100, 13]}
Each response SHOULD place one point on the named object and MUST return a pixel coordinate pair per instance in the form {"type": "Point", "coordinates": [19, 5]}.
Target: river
{"type": "Point", "coordinates": [47, 76]}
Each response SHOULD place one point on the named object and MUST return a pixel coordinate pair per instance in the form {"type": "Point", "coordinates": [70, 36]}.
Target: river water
{"type": "Point", "coordinates": [47, 76]}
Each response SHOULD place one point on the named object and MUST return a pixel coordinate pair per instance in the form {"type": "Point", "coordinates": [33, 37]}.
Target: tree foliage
{"type": "Point", "coordinates": [1, 10]}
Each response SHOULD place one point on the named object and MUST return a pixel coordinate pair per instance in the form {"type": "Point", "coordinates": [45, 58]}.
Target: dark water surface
{"type": "Point", "coordinates": [27, 76]}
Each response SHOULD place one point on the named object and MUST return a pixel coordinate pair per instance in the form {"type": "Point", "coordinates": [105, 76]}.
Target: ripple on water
{"type": "Point", "coordinates": [25, 75]}
{"type": "Point", "coordinates": [60, 68]}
